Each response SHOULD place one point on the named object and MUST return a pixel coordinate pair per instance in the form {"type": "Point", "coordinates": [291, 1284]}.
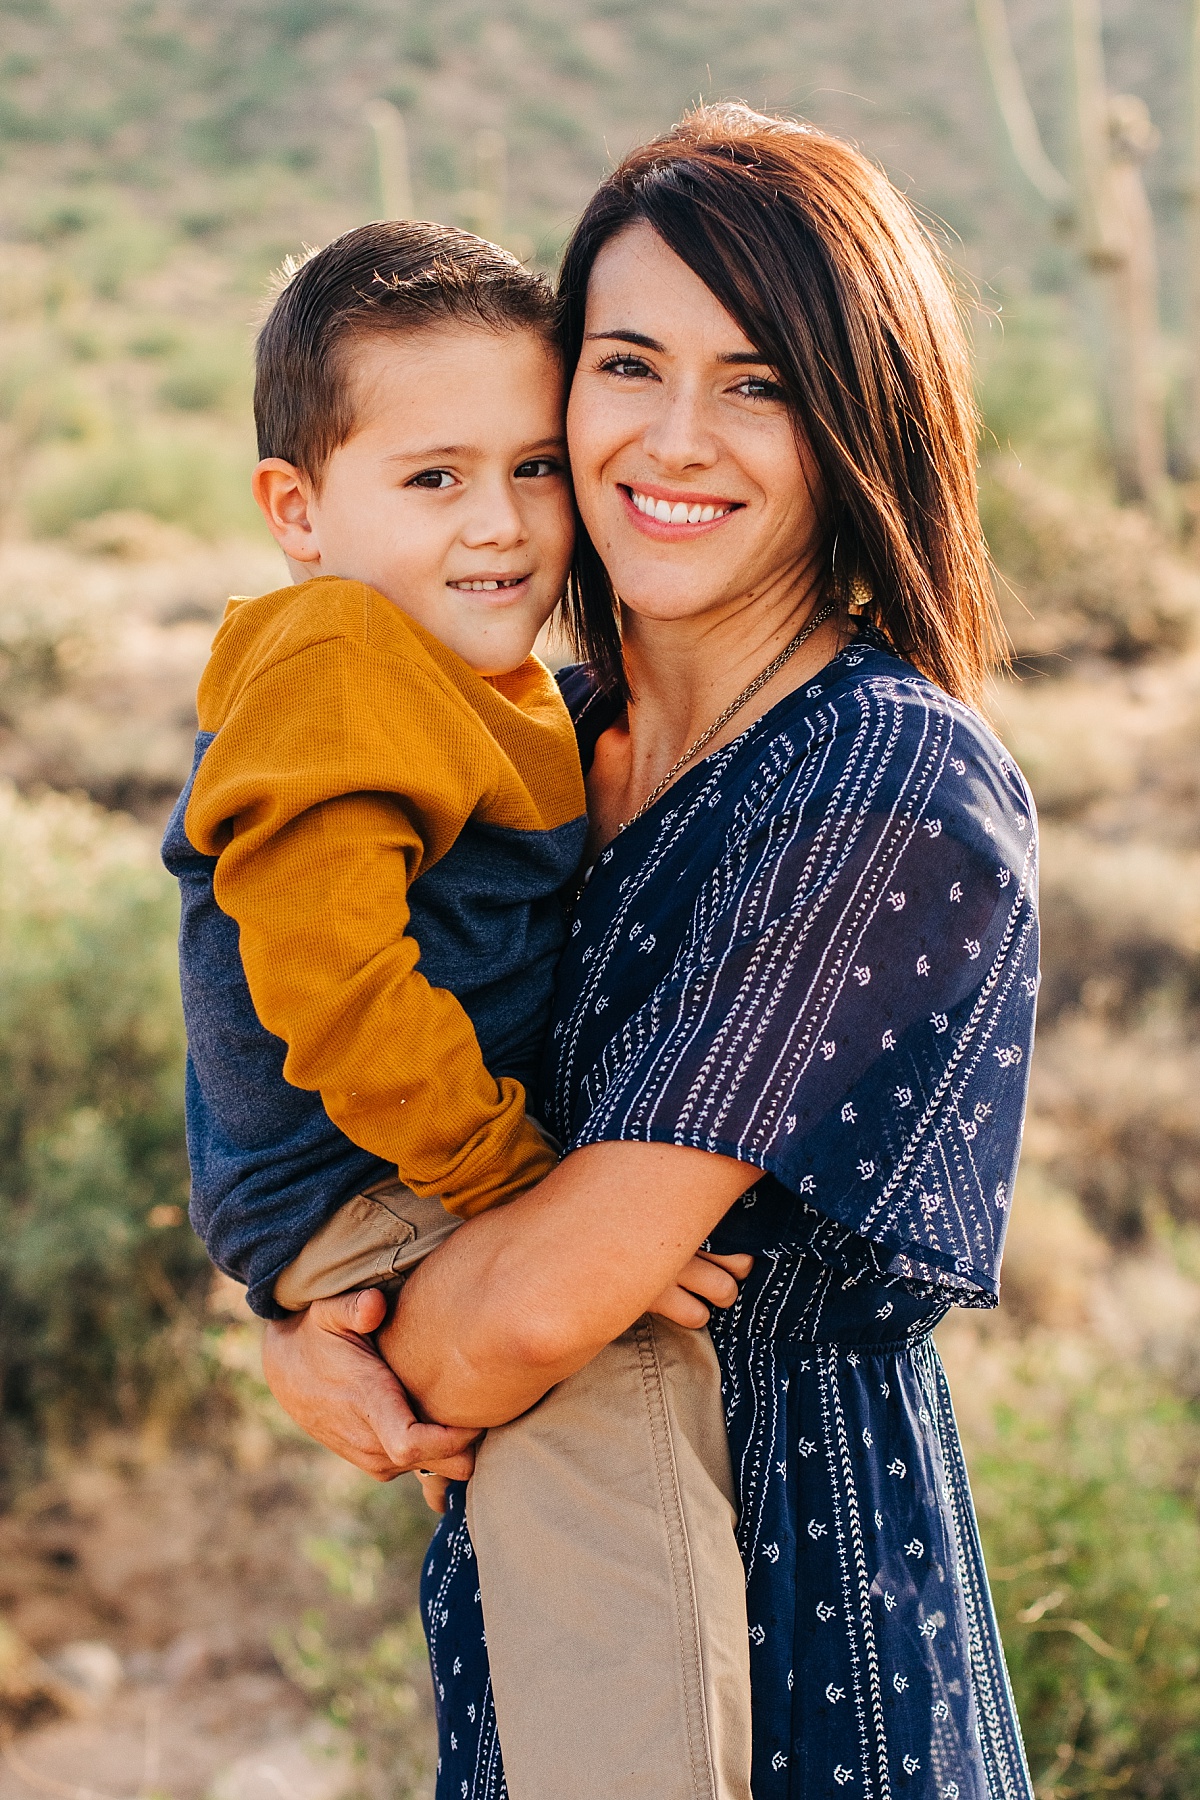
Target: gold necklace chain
{"type": "Point", "coordinates": [734, 707]}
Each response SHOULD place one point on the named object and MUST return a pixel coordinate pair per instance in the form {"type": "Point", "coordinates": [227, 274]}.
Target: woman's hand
{"type": "Point", "coordinates": [327, 1375]}
{"type": "Point", "coordinates": [704, 1278]}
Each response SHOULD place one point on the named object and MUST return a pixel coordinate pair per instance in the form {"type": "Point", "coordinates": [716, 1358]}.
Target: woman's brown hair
{"type": "Point", "coordinates": [828, 271]}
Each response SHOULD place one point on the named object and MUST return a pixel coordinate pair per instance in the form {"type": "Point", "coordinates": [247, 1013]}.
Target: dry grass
{"type": "Point", "coordinates": [1081, 578]}
{"type": "Point", "coordinates": [100, 655]}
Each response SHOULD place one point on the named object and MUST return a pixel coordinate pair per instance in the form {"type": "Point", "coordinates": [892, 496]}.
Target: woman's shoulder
{"type": "Point", "coordinates": [869, 709]}
{"type": "Point", "coordinates": [578, 685]}
{"type": "Point", "coordinates": [592, 710]}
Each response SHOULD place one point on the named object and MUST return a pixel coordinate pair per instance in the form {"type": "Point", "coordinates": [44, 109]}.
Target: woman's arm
{"type": "Point", "coordinates": [524, 1295]}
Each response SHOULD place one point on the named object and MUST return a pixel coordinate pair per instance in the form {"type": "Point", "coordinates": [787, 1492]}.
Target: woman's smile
{"type": "Point", "coordinates": [672, 512]}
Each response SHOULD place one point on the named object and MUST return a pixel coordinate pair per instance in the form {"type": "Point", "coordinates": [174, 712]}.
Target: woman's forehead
{"type": "Point", "coordinates": [640, 290]}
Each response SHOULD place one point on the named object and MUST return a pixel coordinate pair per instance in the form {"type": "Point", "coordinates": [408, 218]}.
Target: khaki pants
{"type": "Point", "coordinates": [603, 1523]}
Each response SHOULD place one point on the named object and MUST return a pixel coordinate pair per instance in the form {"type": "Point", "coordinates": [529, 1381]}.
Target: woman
{"type": "Point", "coordinates": [795, 1013]}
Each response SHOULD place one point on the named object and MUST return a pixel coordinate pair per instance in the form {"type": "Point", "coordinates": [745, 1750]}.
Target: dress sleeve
{"type": "Point", "coordinates": [852, 1008]}
{"type": "Point", "coordinates": [314, 859]}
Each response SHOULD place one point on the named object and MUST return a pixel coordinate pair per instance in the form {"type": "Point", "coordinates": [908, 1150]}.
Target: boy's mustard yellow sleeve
{"type": "Point", "coordinates": [315, 857]}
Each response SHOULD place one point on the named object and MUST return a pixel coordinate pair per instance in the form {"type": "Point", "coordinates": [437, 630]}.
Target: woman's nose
{"type": "Point", "coordinates": [679, 435]}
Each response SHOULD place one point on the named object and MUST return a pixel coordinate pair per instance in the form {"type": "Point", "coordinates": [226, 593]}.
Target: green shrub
{"type": "Point", "coordinates": [155, 338]}
{"type": "Point", "coordinates": [56, 217]}
{"type": "Point", "coordinates": [1082, 578]}
{"type": "Point", "coordinates": [203, 379]}
{"type": "Point", "coordinates": [102, 1284]}
{"type": "Point", "coordinates": [41, 402]}
{"type": "Point", "coordinates": [1037, 392]}
{"type": "Point", "coordinates": [115, 252]}
{"type": "Point", "coordinates": [1093, 1546]}
{"type": "Point", "coordinates": [183, 477]}
{"type": "Point", "coordinates": [98, 236]}
{"type": "Point", "coordinates": [367, 1667]}
{"type": "Point", "coordinates": [545, 119]}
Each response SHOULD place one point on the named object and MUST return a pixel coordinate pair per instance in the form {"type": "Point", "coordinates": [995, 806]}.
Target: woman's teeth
{"type": "Point", "coordinates": [679, 513]}
{"type": "Point", "coordinates": [486, 587]}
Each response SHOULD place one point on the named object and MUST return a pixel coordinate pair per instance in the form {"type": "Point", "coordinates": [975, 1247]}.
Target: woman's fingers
{"type": "Point", "coordinates": [709, 1281]}
{"type": "Point", "coordinates": [739, 1266]}
{"type": "Point", "coordinates": [704, 1279]}
{"type": "Point", "coordinates": [324, 1372]}
{"type": "Point", "coordinates": [680, 1306]}
{"type": "Point", "coordinates": [433, 1489]}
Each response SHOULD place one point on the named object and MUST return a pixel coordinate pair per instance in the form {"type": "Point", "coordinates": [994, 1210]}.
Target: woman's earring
{"type": "Point", "coordinates": [861, 594]}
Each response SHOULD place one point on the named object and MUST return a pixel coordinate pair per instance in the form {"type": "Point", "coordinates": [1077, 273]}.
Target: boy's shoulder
{"type": "Point", "coordinates": [325, 609]}
{"type": "Point", "coordinates": [261, 633]}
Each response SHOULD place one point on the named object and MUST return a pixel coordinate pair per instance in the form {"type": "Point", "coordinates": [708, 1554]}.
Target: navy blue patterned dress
{"type": "Point", "coordinates": [818, 954]}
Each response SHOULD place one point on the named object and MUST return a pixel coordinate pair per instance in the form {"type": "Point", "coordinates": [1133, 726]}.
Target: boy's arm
{"type": "Point", "coordinates": [316, 878]}
{"type": "Point", "coordinates": [323, 913]}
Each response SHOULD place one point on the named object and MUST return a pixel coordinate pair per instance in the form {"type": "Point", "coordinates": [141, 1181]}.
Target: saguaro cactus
{"type": "Point", "coordinates": [1124, 266]}
{"type": "Point", "coordinates": [391, 159]}
{"type": "Point", "coordinates": [485, 205]}
{"type": "Point", "coordinates": [1192, 431]}
{"type": "Point", "coordinates": [1105, 210]}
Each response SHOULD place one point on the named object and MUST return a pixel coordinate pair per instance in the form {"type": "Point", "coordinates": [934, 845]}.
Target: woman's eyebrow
{"type": "Point", "coordinates": [648, 343]}
{"type": "Point", "coordinates": [625, 337]}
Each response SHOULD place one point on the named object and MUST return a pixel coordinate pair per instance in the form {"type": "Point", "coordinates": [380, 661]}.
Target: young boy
{"type": "Point", "coordinates": [385, 804]}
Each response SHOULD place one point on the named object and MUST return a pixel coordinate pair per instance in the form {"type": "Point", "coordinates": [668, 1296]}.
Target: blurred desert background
{"type": "Point", "coordinates": [195, 1604]}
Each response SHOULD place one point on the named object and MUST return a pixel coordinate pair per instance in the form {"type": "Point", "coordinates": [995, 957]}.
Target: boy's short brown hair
{"type": "Point", "coordinates": [395, 275]}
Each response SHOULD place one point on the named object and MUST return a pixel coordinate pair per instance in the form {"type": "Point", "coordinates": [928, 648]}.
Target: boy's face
{"type": "Point", "coordinates": [452, 496]}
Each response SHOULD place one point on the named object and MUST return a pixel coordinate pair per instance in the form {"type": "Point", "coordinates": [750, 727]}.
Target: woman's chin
{"type": "Point", "coordinates": [659, 606]}
{"type": "Point", "coordinates": [668, 583]}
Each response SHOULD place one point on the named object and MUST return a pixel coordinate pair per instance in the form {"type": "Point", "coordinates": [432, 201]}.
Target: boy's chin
{"type": "Point", "coordinates": [492, 669]}
{"type": "Point", "coordinates": [494, 659]}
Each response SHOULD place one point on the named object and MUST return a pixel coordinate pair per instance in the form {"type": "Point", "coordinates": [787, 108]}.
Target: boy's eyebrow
{"type": "Point", "coordinates": [435, 452]}
{"type": "Point", "coordinates": [648, 343]}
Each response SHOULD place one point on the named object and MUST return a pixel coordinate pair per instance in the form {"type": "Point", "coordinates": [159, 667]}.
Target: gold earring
{"type": "Point", "coordinates": [861, 594]}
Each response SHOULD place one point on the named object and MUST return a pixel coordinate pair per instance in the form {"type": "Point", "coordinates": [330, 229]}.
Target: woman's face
{"type": "Point", "coordinates": [686, 464]}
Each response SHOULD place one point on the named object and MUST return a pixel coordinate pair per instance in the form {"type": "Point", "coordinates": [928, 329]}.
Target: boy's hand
{"type": "Point", "coordinates": [704, 1282]}
{"type": "Point", "coordinates": [326, 1373]}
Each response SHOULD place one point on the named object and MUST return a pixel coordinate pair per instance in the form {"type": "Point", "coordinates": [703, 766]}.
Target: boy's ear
{"type": "Point", "coordinates": [283, 494]}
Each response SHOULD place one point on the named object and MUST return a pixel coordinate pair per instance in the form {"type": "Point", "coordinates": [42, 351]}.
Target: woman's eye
{"type": "Point", "coordinates": [537, 466]}
{"type": "Point", "coordinates": [626, 367]}
{"type": "Point", "coordinates": [760, 387]}
{"type": "Point", "coordinates": [432, 478]}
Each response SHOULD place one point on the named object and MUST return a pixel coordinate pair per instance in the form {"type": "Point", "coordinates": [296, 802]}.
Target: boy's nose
{"type": "Point", "coordinates": [496, 521]}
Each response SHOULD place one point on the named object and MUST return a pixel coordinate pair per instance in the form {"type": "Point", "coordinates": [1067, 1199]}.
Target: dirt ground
{"type": "Point", "coordinates": [179, 1573]}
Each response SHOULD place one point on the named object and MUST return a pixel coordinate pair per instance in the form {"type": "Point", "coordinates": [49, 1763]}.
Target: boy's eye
{"type": "Point", "coordinates": [432, 478]}
{"type": "Point", "coordinates": [537, 466]}
{"type": "Point", "coordinates": [626, 367]}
